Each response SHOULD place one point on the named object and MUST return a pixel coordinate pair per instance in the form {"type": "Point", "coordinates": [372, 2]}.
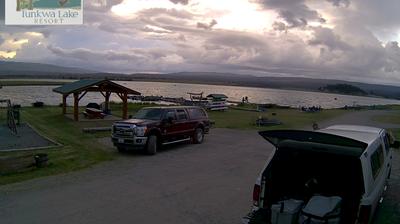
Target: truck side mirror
{"type": "Point", "coordinates": [395, 144]}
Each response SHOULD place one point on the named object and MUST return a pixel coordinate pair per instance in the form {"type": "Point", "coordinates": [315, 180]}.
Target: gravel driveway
{"type": "Point", "coordinates": [208, 183]}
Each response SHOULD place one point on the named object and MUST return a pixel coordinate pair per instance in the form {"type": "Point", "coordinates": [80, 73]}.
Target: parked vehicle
{"type": "Point", "coordinates": [344, 164]}
{"type": "Point", "coordinates": [153, 127]}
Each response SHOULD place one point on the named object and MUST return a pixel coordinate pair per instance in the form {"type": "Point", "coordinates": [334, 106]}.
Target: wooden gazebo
{"type": "Point", "coordinates": [105, 87]}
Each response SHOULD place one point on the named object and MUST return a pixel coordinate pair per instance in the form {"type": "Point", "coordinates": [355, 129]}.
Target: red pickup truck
{"type": "Point", "coordinates": [153, 127]}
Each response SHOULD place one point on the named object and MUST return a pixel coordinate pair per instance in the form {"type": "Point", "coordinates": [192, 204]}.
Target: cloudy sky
{"type": "Point", "coordinates": [334, 39]}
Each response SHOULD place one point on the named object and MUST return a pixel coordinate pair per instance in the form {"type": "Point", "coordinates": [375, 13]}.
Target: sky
{"type": "Point", "coordinates": [355, 40]}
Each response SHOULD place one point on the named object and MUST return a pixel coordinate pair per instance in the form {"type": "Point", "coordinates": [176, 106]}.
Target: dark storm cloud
{"type": "Point", "coordinates": [340, 2]}
{"type": "Point", "coordinates": [183, 2]}
{"type": "Point", "coordinates": [327, 37]}
{"type": "Point", "coordinates": [279, 26]}
{"type": "Point", "coordinates": [380, 16]}
{"type": "Point", "coordinates": [294, 12]}
{"type": "Point", "coordinates": [91, 55]}
{"type": "Point", "coordinates": [236, 40]}
{"type": "Point", "coordinates": [207, 26]}
{"type": "Point", "coordinates": [133, 56]}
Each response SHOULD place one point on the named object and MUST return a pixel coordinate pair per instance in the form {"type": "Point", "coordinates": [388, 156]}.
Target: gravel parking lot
{"type": "Point", "coordinates": [208, 183]}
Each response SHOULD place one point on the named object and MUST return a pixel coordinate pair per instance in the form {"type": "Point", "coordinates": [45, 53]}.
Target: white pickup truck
{"type": "Point", "coordinates": [348, 162]}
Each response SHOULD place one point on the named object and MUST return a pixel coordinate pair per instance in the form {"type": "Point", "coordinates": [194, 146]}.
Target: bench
{"type": "Point", "coordinates": [93, 113]}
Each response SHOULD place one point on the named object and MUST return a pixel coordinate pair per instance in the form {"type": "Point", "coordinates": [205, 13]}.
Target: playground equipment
{"type": "Point", "coordinates": [12, 113]}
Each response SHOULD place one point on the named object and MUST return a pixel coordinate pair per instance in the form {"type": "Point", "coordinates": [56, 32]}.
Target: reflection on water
{"type": "Point", "coordinates": [25, 95]}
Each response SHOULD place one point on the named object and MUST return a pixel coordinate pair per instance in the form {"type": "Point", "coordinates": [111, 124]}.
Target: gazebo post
{"type": "Point", "coordinates": [125, 106]}
{"type": "Point", "coordinates": [107, 100]}
{"type": "Point", "coordinates": [76, 106]}
{"type": "Point", "coordinates": [64, 104]}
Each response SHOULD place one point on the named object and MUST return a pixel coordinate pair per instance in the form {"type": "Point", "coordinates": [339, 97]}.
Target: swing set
{"type": "Point", "coordinates": [11, 123]}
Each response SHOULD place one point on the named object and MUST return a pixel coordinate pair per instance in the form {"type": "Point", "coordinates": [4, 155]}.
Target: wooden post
{"type": "Point", "coordinates": [64, 104]}
{"type": "Point", "coordinates": [76, 106]}
{"type": "Point", "coordinates": [125, 106]}
{"type": "Point", "coordinates": [18, 5]}
{"type": "Point", "coordinates": [107, 101]}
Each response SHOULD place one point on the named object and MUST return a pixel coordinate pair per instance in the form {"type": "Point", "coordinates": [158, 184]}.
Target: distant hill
{"type": "Point", "coordinates": [293, 83]}
{"type": "Point", "coordinates": [23, 68]}
{"type": "Point", "coordinates": [343, 89]}
{"type": "Point", "coordinates": [34, 70]}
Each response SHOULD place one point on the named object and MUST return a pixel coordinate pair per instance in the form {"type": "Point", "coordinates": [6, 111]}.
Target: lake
{"type": "Point", "coordinates": [25, 95]}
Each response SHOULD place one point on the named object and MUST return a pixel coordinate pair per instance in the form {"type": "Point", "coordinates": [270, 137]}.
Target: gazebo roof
{"type": "Point", "coordinates": [93, 85]}
{"type": "Point", "coordinates": [218, 96]}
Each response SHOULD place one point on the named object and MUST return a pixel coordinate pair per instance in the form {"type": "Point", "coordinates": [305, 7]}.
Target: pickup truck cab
{"type": "Point", "coordinates": [347, 161]}
{"type": "Point", "coordinates": [153, 127]}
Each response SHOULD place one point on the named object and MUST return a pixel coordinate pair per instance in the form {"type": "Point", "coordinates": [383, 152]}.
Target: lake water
{"type": "Point", "coordinates": [25, 95]}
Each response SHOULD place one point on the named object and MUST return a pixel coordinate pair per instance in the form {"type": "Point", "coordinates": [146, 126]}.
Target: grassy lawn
{"type": "Point", "coordinates": [391, 119]}
{"type": "Point", "coordinates": [291, 118]}
{"type": "Point", "coordinates": [78, 150]}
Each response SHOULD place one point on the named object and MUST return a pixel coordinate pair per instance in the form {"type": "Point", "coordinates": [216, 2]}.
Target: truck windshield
{"type": "Point", "coordinates": [149, 114]}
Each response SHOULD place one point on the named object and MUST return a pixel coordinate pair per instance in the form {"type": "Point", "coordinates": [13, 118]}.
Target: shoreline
{"type": "Point", "coordinates": [375, 102]}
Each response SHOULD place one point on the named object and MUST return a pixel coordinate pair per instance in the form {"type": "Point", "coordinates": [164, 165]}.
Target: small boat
{"type": "Point", "coordinates": [217, 102]}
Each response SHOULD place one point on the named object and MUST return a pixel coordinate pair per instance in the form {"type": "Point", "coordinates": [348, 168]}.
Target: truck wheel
{"type": "Point", "coordinates": [151, 147]}
{"type": "Point", "coordinates": [198, 136]}
{"type": "Point", "coordinates": [121, 149]}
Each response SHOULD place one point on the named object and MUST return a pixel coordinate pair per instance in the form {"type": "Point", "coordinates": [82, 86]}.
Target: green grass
{"type": "Point", "coordinates": [291, 118]}
{"type": "Point", "coordinates": [78, 150]}
{"type": "Point", "coordinates": [393, 118]}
